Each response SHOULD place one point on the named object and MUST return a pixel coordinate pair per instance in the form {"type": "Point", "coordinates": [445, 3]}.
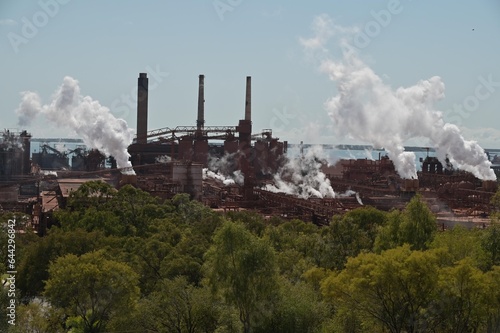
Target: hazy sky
{"type": "Point", "coordinates": [106, 44]}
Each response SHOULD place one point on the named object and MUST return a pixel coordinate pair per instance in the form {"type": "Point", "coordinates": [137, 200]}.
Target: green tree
{"type": "Point", "coordinates": [38, 317]}
{"type": "Point", "coordinates": [368, 219]}
{"type": "Point", "coordinates": [298, 245]}
{"type": "Point", "coordinates": [294, 234]}
{"type": "Point", "coordinates": [22, 239]}
{"type": "Point", "coordinates": [391, 291]}
{"type": "Point", "coordinates": [194, 213]}
{"type": "Point", "coordinates": [136, 209]}
{"type": "Point", "coordinates": [186, 258]}
{"type": "Point", "coordinates": [464, 298]}
{"type": "Point", "coordinates": [92, 219]}
{"type": "Point", "coordinates": [98, 206]}
{"type": "Point", "coordinates": [93, 288]}
{"type": "Point", "coordinates": [347, 321]}
{"type": "Point", "coordinates": [419, 224]}
{"type": "Point", "coordinates": [349, 235]}
{"type": "Point", "coordinates": [461, 243]}
{"type": "Point", "coordinates": [493, 320]}
{"type": "Point", "coordinates": [33, 267]}
{"type": "Point", "coordinates": [243, 268]}
{"type": "Point", "coordinates": [91, 194]}
{"type": "Point", "coordinates": [491, 241]}
{"type": "Point", "coordinates": [4, 303]}
{"type": "Point", "coordinates": [388, 235]}
{"type": "Point", "coordinates": [253, 221]}
{"type": "Point", "coordinates": [299, 309]}
{"type": "Point", "coordinates": [415, 226]}
{"type": "Point", "coordinates": [146, 254]}
{"type": "Point", "coordinates": [177, 306]}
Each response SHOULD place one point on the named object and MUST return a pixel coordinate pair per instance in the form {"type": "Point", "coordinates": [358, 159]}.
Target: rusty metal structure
{"type": "Point", "coordinates": [174, 159]}
{"type": "Point", "coordinates": [255, 154]}
{"type": "Point", "coordinates": [456, 191]}
{"type": "Point", "coordinates": [164, 180]}
{"type": "Point", "coordinates": [49, 158]}
{"type": "Point", "coordinates": [14, 154]}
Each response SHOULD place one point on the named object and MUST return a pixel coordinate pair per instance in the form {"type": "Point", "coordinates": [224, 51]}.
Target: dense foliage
{"type": "Point", "coordinates": [122, 261]}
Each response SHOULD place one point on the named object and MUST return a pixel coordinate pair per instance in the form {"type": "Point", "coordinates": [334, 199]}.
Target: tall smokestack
{"type": "Point", "coordinates": [200, 122]}
{"type": "Point", "coordinates": [26, 167]}
{"type": "Point", "coordinates": [248, 99]}
{"type": "Point", "coordinates": [142, 108]}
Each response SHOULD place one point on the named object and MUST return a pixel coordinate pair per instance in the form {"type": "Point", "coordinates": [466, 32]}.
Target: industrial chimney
{"type": "Point", "coordinates": [142, 108]}
{"type": "Point", "coordinates": [26, 166]}
{"type": "Point", "coordinates": [245, 144]}
{"type": "Point", "coordinates": [200, 122]}
{"type": "Point", "coordinates": [248, 99]}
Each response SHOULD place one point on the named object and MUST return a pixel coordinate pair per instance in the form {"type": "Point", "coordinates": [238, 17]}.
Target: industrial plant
{"type": "Point", "coordinates": [232, 167]}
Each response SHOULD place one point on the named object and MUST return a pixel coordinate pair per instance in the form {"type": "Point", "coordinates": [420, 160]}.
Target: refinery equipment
{"type": "Point", "coordinates": [14, 154]}
{"type": "Point", "coordinates": [229, 167]}
{"type": "Point", "coordinates": [196, 143]}
{"type": "Point", "coordinates": [50, 158]}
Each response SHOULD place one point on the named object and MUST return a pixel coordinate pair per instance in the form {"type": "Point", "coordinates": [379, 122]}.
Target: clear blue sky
{"type": "Point", "coordinates": [105, 44]}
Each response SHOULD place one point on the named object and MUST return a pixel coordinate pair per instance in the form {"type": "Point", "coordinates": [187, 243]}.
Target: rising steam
{"type": "Point", "coordinates": [369, 110]}
{"type": "Point", "coordinates": [235, 178]}
{"type": "Point", "coordinates": [91, 121]}
{"type": "Point", "coordinates": [224, 170]}
{"type": "Point", "coordinates": [302, 176]}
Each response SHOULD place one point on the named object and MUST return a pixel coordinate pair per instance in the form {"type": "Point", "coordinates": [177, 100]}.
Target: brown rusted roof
{"type": "Point", "coordinates": [49, 201]}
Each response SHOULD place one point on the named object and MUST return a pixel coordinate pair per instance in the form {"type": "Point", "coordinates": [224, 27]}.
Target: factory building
{"type": "Point", "coordinates": [176, 159]}
{"type": "Point", "coordinates": [49, 158]}
{"type": "Point", "coordinates": [14, 154]}
{"type": "Point", "coordinates": [256, 155]}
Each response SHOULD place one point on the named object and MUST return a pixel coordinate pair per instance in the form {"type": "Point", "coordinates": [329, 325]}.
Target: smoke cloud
{"type": "Point", "coordinates": [302, 176]}
{"type": "Point", "coordinates": [91, 121]}
{"type": "Point", "coordinates": [350, 193]}
{"type": "Point", "coordinates": [224, 169]}
{"type": "Point", "coordinates": [224, 165]}
{"type": "Point", "coordinates": [369, 110]}
{"type": "Point", "coordinates": [235, 177]}
{"type": "Point", "coordinates": [29, 107]}
{"type": "Point", "coordinates": [163, 159]}
{"type": "Point", "coordinates": [10, 140]}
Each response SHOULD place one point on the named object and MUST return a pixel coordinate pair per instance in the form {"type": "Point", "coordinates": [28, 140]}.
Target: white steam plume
{"type": "Point", "coordinates": [369, 110]}
{"type": "Point", "coordinates": [369, 154]}
{"type": "Point", "coordinates": [359, 199]}
{"type": "Point", "coordinates": [223, 169]}
{"type": "Point", "coordinates": [29, 107]}
{"type": "Point", "coordinates": [163, 159]}
{"type": "Point", "coordinates": [9, 140]}
{"type": "Point", "coordinates": [224, 165]}
{"type": "Point", "coordinates": [349, 193]}
{"type": "Point", "coordinates": [91, 121]}
{"type": "Point", "coordinates": [236, 178]}
{"type": "Point", "coordinates": [302, 176]}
